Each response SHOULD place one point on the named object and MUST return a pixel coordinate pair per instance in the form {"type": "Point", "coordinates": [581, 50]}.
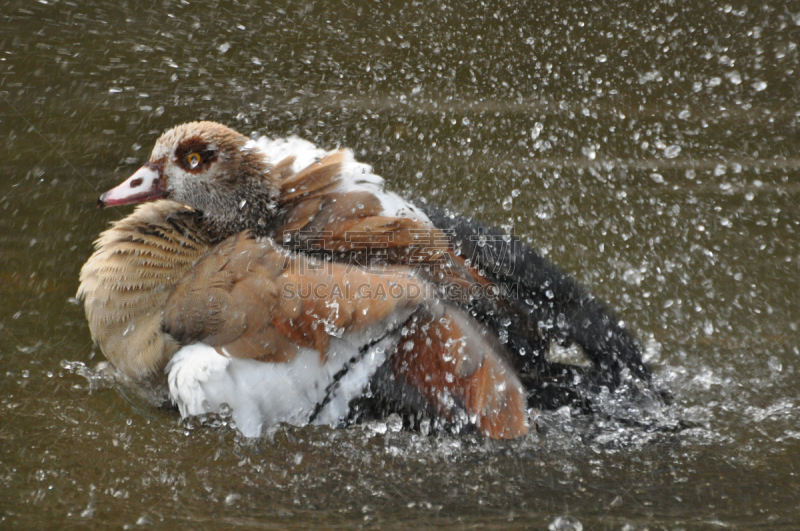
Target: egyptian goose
{"type": "Point", "coordinates": [284, 281]}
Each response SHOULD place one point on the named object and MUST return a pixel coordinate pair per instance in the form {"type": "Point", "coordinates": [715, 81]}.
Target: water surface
{"type": "Point", "coordinates": [649, 147]}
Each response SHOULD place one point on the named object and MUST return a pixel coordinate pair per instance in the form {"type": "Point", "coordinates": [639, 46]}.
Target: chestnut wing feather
{"type": "Point", "coordinates": [251, 299]}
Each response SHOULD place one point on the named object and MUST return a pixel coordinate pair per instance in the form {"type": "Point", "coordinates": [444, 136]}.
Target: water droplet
{"type": "Point", "coordinates": [633, 276]}
{"type": "Point", "coordinates": [672, 151]}
{"type": "Point", "coordinates": [652, 350]}
{"type": "Point", "coordinates": [565, 523]}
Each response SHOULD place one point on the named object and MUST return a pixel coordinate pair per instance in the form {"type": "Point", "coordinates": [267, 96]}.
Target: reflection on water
{"type": "Point", "coordinates": [650, 148]}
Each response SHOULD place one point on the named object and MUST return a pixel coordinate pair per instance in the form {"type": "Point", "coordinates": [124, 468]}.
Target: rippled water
{"type": "Point", "coordinates": [651, 148]}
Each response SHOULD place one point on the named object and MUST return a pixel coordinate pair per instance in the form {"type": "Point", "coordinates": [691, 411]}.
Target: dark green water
{"type": "Point", "coordinates": [649, 147]}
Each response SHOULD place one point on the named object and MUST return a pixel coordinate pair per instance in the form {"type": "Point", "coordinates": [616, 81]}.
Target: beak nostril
{"type": "Point", "coordinates": [136, 183]}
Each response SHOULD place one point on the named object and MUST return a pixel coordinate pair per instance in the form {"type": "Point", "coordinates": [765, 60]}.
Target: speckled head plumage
{"type": "Point", "coordinates": [210, 168]}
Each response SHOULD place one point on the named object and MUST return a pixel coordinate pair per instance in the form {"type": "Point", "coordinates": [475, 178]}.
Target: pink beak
{"type": "Point", "coordinates": [146, 184]}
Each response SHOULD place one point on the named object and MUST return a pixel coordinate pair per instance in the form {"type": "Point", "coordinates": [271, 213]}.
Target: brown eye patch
{"type": "Point", "coordinates": [194, 155]}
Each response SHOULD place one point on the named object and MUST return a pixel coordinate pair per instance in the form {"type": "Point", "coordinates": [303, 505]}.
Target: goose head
{"type": "Point", "coordinates": [210, 168]}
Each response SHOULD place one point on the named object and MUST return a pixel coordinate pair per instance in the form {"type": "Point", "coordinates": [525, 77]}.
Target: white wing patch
{"type": "Point", "coordinates": [355, 176]}
{"type": "Point", "coordinates": [305, 152]}
{"type": "Point", "coordinates": [263, 394]}
{"type": "Point", "coordinates": [192, 371]}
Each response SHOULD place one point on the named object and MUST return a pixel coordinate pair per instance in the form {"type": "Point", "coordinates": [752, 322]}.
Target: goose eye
{"type": "Point", "coordinates": [194, 159]}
